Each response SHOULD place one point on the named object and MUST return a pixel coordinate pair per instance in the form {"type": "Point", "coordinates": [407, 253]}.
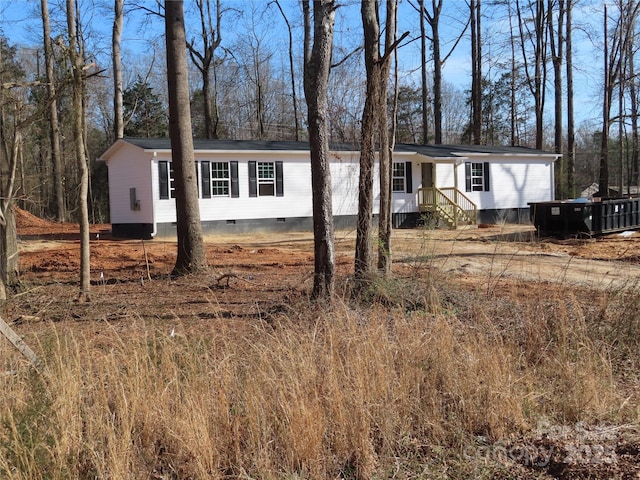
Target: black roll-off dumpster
{"type": "Point", "coordinates": [573, 217]}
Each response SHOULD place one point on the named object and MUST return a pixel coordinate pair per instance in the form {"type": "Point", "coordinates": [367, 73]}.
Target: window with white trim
{"type": "Point", "coordinates": [399, 177]}
{"type": "Point", "coordinates": [266, 179]}
{"type": "Point", "coordinates": [476, 176]}
{"type": "Point", "coordinates": [220, 179]}
{"type": "Point", "coordinates": [166, 179]}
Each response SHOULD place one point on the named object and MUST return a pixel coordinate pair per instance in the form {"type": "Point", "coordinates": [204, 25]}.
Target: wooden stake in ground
{"type": "Point", "coordinates": [17, 342]}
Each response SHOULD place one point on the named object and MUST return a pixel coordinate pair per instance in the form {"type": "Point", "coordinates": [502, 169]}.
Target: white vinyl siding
{"type": "Point", "coordinates": [516, 180]}
{"type": "Point", "coordinates": [514, 184]}
{"type": "Point", "coordinates": [130, 168]}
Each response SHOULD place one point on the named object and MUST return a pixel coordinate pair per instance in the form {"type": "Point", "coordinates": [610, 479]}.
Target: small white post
{"type": "Point", "coordinates": [17, 342]}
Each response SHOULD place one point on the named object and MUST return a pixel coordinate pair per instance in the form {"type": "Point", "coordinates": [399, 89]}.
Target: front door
{"type": "Point", "coordinates": [427, 175]}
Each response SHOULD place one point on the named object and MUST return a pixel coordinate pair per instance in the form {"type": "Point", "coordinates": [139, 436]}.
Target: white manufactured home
{"type": "Point", "coordinates": [246, 186]}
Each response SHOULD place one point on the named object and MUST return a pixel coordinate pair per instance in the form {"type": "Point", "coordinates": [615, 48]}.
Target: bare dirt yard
{"type": "Point", "coordinates": [258, 277]}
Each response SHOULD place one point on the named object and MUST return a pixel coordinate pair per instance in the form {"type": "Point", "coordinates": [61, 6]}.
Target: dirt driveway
{"type": "Point", "coordinates": [50, 251]}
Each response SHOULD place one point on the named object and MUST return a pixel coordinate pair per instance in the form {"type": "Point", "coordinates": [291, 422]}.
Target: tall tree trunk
{"type": "Point", "coordinates": [364, 231]}
{"type": "Point", "coordinates": [386, 145]}
{"type": "Point", "coordinates": [621, 138]}
{"type": "Point", "coordinates": [556, 40]}
{"type": "Point", "coordinates": [374, 122]}
{"type": "Point", "coordinates": [434, 21]}
{"type": "Point", "coordinates": [635, 140]}
{"type": "Point", "coordinates": [10, 238]}
{"type": "Point", "coordinates": [80, 152]}
{"type": "Point", "coordinates": [54, 126]}
{"type": "Point", "coordinates": [317, 64]}
{"type": "Point", "coordinates": [292, 74]}
{"type": "Point", "coordinates": [536, 79]}
{"type": "Point", "coordinates": [476, 72]}
{"type": "Point", "coordinates": [9, 271]}
{"type": "Point", "coordinates": [118, 119]}
{"type": "Point", "coordinates": [423, 72]}
{"type": "Point", "coordinates": [191, 252]}
{"type": "Point", "coordinates": [571, 135]}
{"type": "Point", "coordinates": [205, 61]}
{"type": "Point", "coordinates": [513, 88]}
{"type": "Point", "coordinates": [603, 179]}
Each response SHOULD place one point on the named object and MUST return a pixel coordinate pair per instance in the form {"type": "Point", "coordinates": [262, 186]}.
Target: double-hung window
{"type": "Point", "coordinates": [401, 180]}
{"type": "Point", "coordinates": [219, 179]}
{"type": "Point", "coordinates": [167, 183]}
{"type": "Point", "coordinates": [266, 179]}
{"type": "Point", "coordinates": [476, 176]}
{"type": "Point", "coordinates": [398, 181]}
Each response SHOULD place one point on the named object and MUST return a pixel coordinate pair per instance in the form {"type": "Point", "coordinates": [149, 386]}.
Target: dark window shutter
{"type": "Point", "coordinates": [279, 180]}
{"type": "Point", "coordinates": [163, 175]}
{"type": "Point", "coordinates": [485, 171]}
{"type": "Point", "coordinates": [206, 179]}
{"type": "Point", "coordinates": [253, 180]}
{"type": "Point", "coordinates": [235, 185]}
{"type": "Point", "coordinates": [197, 169]}
{"type": "Point", "coordinates": [467, 176]}
{"type": "Point", "coordinates": [408, 177]}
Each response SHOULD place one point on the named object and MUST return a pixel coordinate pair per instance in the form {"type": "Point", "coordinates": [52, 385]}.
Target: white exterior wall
{"type": "Point", "coordinates": [513, 183]}
{"type": "Point", "coordinates": [345, 177]}
{"type": "Point", "coordinates": [407, 202]}
{"type": "Point", "coordinates": [297, 200]}
{"type": "Point", "coordinates": [130, 168]}
{"type": "Point", "coordinates": [445, 177]}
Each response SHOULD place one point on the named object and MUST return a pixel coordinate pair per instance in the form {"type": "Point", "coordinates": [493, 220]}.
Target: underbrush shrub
{"type": "Point", "coordinates": [343, 390]}
{"type": "Point", "coordinates": [415, 292]}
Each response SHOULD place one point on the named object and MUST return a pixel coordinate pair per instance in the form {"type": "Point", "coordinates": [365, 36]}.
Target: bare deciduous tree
{"type": "Point", "coordinates": [54, 126]}
{"type": "Point", "coordinates": [118, 118]}
{"type": "Point", "coordinates": [317, 64]}
{"type": "Point", "coordinates": [364, 231]}
{"type": "Point", "coordinates": [191, 252]}
{"type": "Point", "coordinates": [556, 45]}
{"type": "Point", "coordinates": [79, 143]}
{"type": "Point", "coordinates": [615, 50]}
{"type": "Point", "coordinates": [377, 74]}
{"type": "Point", "coordinates": [571, 134]}
{"type": "Point", "coordinates": [476, 72]}
{"type": "Point", "coordinates": [291, 73]}
{"type": "Point", "coordinates": [533, 44]}
{"type": "Point", "coordinates": [205, 60]}
{"type": "Point", "coordinates": [386, 134]}
{"type": "Point", "coordinates": [433, 19]}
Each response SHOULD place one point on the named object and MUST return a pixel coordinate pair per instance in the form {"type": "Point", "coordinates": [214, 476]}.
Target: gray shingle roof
{"type": "Point", "coordinates": [436, 151]}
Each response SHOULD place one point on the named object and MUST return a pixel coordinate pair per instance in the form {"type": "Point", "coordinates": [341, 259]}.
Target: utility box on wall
{"type": "Point", "coordinates": [134, 202]}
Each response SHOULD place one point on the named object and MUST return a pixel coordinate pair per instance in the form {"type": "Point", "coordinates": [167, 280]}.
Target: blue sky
{"type": "Point", "coordinates": [20, 22]}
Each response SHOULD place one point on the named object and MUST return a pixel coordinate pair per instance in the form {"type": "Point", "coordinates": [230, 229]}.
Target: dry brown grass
{"type": "Point", "coordinates": [395, 389]}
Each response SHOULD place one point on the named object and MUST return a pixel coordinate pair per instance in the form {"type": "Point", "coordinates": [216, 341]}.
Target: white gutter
{"type": "Point", "coordinates": [154, 231]}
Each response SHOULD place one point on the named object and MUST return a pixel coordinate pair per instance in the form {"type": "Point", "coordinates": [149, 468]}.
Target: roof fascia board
{"type": "Point", "coordinates": [117, 145]}
{"type": "Point", "coordinates": [516, 156]}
